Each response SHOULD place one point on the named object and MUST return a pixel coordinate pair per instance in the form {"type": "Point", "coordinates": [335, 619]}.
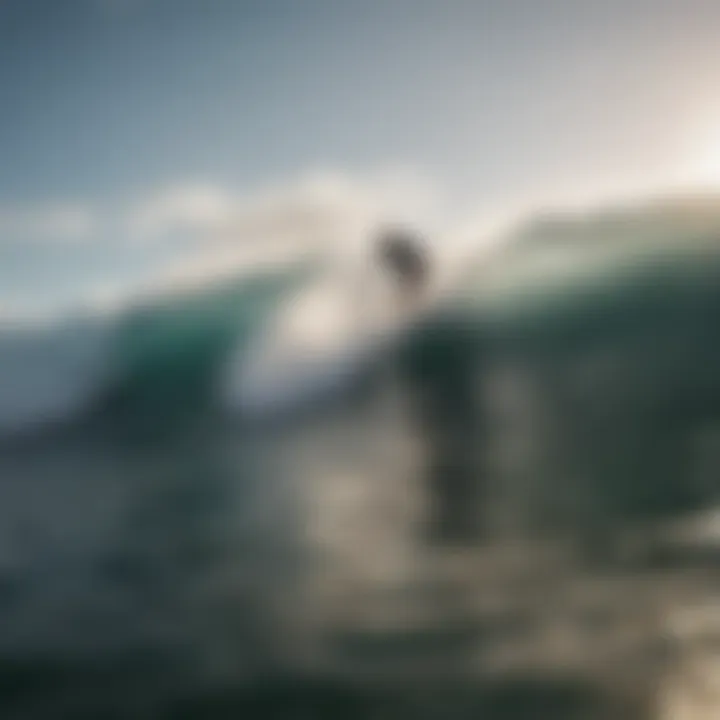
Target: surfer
{"type": "Point", "coordinates": [401, 254]}
{"type": "Point", "coordinates": [439, 368]}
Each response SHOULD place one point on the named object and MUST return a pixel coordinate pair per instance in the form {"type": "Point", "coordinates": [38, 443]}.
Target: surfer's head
{"type": "Point", "coordinates": [401, 253]}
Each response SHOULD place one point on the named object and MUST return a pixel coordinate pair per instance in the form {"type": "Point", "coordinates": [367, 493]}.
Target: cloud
{"type": "Point", "coordinates": [215, 225]}
{"type": "Point", "coordinates": [212, 212]}
{"type": "Point", "coordinates": [47, 222]}
{"type": "Point", "coordinates": [293, 208]}
{"type": "Point", "coordinates": [223, 231]}
{"type": "Point", "coordinates": [316, 208]}
{"type": "Point", "coordinates": [194, 208]}
{"type": "Point", "coordinates": [192, 232]}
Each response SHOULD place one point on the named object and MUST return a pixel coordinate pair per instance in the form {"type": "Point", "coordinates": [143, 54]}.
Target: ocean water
{"type": "Point", "coordinates": [475, 510]}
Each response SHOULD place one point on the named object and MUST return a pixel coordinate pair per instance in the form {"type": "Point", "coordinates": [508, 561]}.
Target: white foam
{"type": "Point", "coordinates": [318, 342]}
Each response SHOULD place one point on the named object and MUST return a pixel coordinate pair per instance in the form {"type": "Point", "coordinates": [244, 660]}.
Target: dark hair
{"type": "Point", "coordinates": [401, 251]}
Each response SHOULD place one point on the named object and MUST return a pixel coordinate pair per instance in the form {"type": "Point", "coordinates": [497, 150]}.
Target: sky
{"type": "Point", "coordinates": [131, 131]}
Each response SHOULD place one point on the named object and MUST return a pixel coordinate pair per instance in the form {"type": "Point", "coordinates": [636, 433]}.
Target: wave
{"type": "Point", "coordinates": [160, 354]}
{"type": "Point", "coordinates": [294, 335]}
{"type": "Point", "coordinates": [166, 356]}
{"type": "Point", "coordinates": [256, 345]}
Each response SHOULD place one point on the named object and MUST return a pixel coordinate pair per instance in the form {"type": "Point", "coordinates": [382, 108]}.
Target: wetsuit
{"type": "Point", "coordinates": [439, 364]}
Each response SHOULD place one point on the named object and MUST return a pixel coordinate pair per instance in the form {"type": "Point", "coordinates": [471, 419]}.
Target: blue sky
{"type": "Point", "coordinates": [107, 104]}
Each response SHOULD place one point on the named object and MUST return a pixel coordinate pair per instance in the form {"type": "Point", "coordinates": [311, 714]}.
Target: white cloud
{"type": "Point", "coordinates": [320, 211]}
{"type": "Point", "coordinates": [47, 222]}
{"type": "Point", "coordinates": [291, 209]}
{"type": "Point", "coordinates": [193, 232]}
{"type": "Point", "coordinates": [195, 208]}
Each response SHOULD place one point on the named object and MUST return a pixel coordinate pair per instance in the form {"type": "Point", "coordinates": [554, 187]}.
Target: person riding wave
{"type": "Point", "coordinates": [439, 370]}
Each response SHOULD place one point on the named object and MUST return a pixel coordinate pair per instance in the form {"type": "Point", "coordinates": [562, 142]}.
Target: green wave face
{"type": "Point", "coordinates": [167, 354]}
{"type": "Point", "coordinates": [615, 343]}
{"type": "Point", "coordinates": [583, 292]}
{"type": "Point", "coordinates": [623, 346]}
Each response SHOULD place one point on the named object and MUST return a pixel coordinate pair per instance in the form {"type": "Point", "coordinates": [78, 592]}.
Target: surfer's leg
{"type": "Point", "coordinates": [454, 478]}
{"type": "Point", "coordinates": [447, 419]}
